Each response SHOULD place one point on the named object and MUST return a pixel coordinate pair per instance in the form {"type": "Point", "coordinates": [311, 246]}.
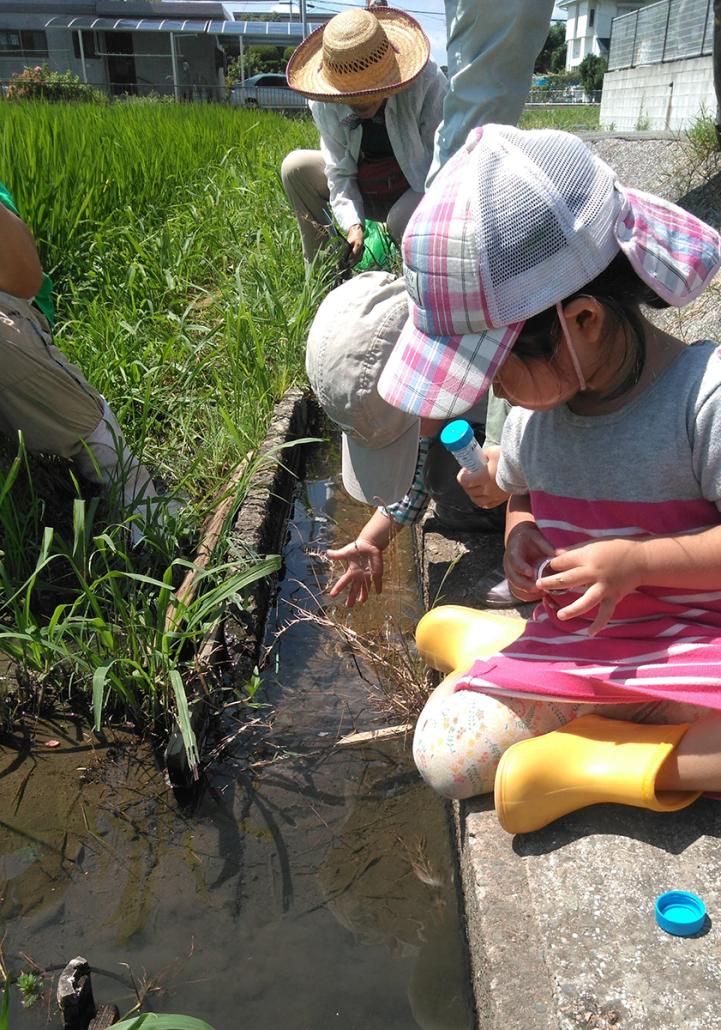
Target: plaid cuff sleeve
{"type": "Point", "coordinates": [411, 507]}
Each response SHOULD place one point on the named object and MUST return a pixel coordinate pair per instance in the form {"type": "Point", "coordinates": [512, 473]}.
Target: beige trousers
{"type": "Point", "coordinates": [305, 184]}
{"type": "Point", "coordinates": [41, 392]}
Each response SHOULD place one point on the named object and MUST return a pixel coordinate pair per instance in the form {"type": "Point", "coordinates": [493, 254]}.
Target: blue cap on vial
{"type": "Point", "coordinates": [457, 434]}
{"type": "Point", "coordinates": [680, 913]}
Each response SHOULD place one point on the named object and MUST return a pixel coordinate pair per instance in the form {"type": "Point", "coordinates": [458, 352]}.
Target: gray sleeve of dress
{"type": "Point", "coordinates": [509, 475]}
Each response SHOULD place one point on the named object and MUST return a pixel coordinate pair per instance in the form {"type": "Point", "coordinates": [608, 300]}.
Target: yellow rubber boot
{"type": "Point", "coordinates": [452, 637]}
{"type": "Point", "coordinates": [589, 761]}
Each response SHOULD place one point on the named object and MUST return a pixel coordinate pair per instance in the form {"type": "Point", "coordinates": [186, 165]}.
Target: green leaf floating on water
{"type": "Point", "coordinates": [151, 1021]}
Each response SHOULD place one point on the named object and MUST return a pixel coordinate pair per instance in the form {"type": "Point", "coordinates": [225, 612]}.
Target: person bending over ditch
{"type": "Point", "coordinates": [388, 458]}
{"type": "Point", "coordinates": [532, 279]}
{"type": "Point", "coordinates": [376, 100]}
{"type": "Point", "coordinates": [42, 394]}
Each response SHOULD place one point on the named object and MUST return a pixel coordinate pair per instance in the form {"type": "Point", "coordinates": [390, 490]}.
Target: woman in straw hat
{"type": "Point", "coordinates": [377, 100]}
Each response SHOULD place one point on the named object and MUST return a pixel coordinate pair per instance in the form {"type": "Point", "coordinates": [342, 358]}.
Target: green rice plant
{"type": "Point", "coordinates": [111, 639]}
{"type": "Point", "coordinates": [183, 297]}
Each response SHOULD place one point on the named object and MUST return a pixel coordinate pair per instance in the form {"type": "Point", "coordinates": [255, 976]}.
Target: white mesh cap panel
{"type": "Point", "coordinates": [543, 220]}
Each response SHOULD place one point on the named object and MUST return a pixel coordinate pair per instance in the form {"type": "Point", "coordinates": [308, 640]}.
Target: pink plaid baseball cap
{"type": "Point", "coordinates": [515, 222]}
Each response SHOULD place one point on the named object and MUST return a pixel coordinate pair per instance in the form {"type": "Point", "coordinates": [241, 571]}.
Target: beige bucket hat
{"type": "Point", "coordinates": [355, 329]}
{"type": "Point", "coordinates": [359, 53]}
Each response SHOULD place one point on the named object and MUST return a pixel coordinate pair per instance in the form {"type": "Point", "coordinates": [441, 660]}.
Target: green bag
{"type": "Point", "coordinates": [379, 250]}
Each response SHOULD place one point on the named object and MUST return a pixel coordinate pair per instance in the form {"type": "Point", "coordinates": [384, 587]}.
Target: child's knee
{"type": "Point", "coordinates": [452, 758]}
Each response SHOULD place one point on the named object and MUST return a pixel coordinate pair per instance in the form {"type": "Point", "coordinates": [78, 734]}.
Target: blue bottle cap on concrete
{"type": "Point", "coordinates": [456, 435]}
{"type": "Point", "coordinates": [680, 913]}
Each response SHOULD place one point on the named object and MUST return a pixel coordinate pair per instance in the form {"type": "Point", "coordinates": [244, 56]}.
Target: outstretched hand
{"type": "Point", "coordinates": [364, 567]}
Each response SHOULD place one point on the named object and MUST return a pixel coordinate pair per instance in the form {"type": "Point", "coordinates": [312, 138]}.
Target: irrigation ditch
{"type": "Point", "coordinates": [297, 883]}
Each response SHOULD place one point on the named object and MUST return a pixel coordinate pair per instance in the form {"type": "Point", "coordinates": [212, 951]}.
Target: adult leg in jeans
{"type": "Point", "coordinates": [492, 47]}
{"type": "Point", "coordinates": [305, 184]}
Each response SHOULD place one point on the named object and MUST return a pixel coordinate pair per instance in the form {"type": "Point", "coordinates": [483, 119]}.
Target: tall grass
{"type": "Point", "coordinates": [182, 290]}
{"type": "Point", "coordinates": [570, 118]}
{"type": "Point", "coordinates": [182, 296]}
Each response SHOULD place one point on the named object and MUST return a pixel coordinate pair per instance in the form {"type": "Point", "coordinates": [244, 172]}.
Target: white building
{"type": "Point", "coordinates": [588, 28]}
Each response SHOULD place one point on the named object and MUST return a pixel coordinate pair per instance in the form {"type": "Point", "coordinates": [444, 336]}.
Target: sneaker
{"type": "Point", "coordinates": [496, 593]}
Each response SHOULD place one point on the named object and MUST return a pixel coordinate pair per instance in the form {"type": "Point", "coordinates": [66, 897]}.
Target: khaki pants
{"type": "Point", "coordinates": [305, 184]}
{"type": "Point", "coordinates": [41, 392]}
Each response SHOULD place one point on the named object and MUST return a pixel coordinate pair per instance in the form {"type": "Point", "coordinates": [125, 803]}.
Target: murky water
{"type": "Point", "coordinates": [312, 891]}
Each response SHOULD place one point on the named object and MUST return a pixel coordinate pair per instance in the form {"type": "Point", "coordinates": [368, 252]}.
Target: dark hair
{"type": "Point", "coordinates": [622, 292]}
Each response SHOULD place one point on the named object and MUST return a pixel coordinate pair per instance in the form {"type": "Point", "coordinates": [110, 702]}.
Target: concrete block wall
{"type": "Point", "coordinates": [667, 96]}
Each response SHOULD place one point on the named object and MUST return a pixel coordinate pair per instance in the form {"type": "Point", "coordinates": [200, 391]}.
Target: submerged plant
{"type": "Point", "coordinates": [30, 986]}
{"type": "Point", "coordinates": [395, 674]}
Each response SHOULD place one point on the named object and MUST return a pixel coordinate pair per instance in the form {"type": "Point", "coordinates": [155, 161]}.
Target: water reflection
{"type": "Point", "coordinates": [311, 888]}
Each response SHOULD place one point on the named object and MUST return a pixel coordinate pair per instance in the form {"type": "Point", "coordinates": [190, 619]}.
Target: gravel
{"type": "Point", "coordinates": [673, 168]}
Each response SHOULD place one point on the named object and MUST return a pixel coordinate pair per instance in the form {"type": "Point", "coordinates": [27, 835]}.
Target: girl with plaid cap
{"type": "Point", "coordinates": [527, 264]}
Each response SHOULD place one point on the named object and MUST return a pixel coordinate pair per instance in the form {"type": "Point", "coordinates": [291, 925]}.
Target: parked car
{"type": "Point", "coordinates": [268, 90]}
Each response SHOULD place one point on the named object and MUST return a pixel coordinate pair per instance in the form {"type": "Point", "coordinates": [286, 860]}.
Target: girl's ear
{"type": "Point", "coordinates": [586, 318]}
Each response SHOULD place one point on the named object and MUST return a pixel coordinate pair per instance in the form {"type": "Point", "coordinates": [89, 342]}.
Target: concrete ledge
{"type": "Point", "coordinates": [261, 522]}
{"type": "Point", "coordinates": [560, 924]}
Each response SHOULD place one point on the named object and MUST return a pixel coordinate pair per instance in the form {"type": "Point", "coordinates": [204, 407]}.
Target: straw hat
{"type": "Point", "coordinates": [359, 53]}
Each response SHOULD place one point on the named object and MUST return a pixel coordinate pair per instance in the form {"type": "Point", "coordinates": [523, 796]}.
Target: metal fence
{"type": "Point", "coordinates": [667, 31]}
{"type": "Point", "coordinates": [569, 95]}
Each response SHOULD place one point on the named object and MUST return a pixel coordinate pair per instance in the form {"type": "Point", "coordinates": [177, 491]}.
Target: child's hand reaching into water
{"type": "Point", "coordinates": [364, 559]}
{"type": "Point", "coordinates": [526, 546]}
{"type": "Point", "coordinates": [603, 572]}
{"type": "Point", "coordinates": [364, 567]}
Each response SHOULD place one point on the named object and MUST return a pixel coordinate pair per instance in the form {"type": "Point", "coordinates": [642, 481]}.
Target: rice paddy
{"type": "Point", "coordinates": [182, 295]}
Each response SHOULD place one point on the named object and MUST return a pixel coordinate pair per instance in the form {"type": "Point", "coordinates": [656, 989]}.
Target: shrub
{"type": "Point", "coordinates": [153, 97]}
{"type": "Point", "coordinates": [592, 69]}
{"type": "Point", "coordinates": [40, 83]}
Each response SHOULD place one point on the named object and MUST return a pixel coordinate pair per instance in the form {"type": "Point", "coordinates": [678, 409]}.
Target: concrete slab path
{"type": "Point", "coordinates": [560, 923]}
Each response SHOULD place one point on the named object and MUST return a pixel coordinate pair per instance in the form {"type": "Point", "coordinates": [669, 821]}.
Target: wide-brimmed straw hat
{"type": "Point", "coordinates": [359, 53]}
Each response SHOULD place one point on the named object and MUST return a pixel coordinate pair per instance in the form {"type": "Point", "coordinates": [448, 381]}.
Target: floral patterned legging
{"type": "Point", "coordinates": [460, 737]}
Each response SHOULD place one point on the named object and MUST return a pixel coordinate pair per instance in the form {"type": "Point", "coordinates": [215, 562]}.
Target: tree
{"type": "Point", "coordinates": [264, 59]}
{"type": "Point", "coordinates": [552, 57]}
{"type": "Point", "coordinates": [592, 69]}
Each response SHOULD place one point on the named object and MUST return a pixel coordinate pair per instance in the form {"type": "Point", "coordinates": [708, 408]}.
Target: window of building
{"type": "Point", "coordinates": [89, 46]}
{"type": "Point", "coordinates": [591, 17]}
{"type": "Point", "coordinates": [576, 49]}
{"type": "Point", "coordinates": [23, 43]}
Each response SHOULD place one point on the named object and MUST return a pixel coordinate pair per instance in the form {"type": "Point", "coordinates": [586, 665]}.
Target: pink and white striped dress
{"type": "Point", "coordinates": [653, 467]}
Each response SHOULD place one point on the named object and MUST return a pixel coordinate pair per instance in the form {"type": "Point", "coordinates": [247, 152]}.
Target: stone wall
{"type": "Point", "coordinates": [666, 96]}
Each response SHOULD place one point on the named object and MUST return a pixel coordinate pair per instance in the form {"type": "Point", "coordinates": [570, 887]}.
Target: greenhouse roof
{"type": "Point", "coordinates": [257, 31]}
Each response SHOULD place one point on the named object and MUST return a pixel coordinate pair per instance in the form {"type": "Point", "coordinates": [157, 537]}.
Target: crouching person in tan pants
{"type": "Point", "coordinates": [43, 395]}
